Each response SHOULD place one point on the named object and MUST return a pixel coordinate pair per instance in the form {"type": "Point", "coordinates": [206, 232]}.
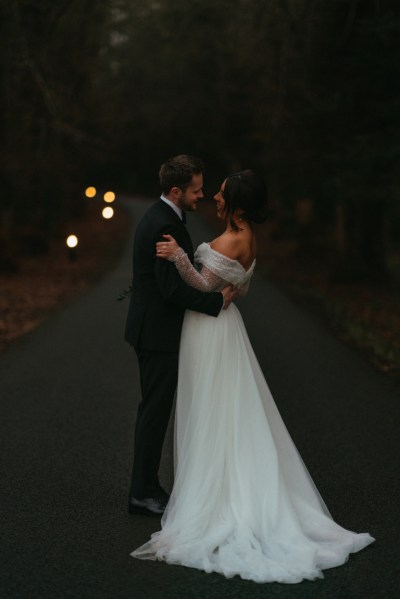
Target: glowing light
{"type": "Point", "coordinates": [109, 196]}
{"type": "Point", "coordinates": [108, 212]}
{"type": "Point", "coordinates": [90, 192]}
{"type": "Point", "coordinates": [72, 241]}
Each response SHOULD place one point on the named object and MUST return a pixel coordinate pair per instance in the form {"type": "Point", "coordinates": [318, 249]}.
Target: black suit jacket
{"type": "Point", "coordinates": [159, 296]}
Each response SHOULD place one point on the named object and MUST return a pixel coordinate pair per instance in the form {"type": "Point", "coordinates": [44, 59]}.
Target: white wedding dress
{"type": "Point", "coordinates": [243, 501]}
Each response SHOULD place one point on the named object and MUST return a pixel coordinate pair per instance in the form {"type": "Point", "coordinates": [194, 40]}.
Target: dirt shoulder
{"type": "Point", "coordinates": [44, 283]}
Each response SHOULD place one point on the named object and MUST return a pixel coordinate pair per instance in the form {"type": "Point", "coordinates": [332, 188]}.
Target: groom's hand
{"type": "Point", "coordinates": [229, 293]}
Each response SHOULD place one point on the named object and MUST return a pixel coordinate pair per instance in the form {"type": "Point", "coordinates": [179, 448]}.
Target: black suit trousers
{"type": "Point", "coordinates": [158, 380]}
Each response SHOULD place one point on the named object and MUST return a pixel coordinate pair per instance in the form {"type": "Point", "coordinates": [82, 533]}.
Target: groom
{"type": "Point", "coordinates": [157, 306]}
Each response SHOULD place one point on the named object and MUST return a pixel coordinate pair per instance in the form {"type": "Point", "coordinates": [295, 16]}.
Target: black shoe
{"type": "Point", "coordinates": [149, 506]}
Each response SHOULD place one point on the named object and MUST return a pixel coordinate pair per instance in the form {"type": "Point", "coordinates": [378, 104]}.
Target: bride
{"type": "Point", "coordinates": [243, 501]}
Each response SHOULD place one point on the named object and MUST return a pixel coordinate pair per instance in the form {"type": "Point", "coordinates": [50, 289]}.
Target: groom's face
{"type": "Point", "coordinates": [188, 199]}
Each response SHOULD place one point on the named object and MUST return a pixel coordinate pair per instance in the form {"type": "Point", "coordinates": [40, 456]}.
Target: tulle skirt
{"type": "Point", "coordinates": [243, 501]}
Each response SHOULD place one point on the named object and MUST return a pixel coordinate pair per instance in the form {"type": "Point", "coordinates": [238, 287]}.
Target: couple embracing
{"type": "Point", "coordinates": [243, 501]}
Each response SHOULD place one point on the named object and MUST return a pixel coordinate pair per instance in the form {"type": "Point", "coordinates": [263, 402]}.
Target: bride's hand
{"type": "Point", "coordinates": [166, 249]}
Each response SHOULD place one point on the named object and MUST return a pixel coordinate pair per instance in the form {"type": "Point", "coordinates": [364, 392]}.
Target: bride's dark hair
{"type": "Point", "coordinates": [248, 191]}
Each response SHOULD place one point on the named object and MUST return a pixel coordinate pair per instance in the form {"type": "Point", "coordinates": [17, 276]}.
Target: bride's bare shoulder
{"type": "Point", "coordinates": [240, 246]}
{"type": "Point", "coordinates": [227, 244]}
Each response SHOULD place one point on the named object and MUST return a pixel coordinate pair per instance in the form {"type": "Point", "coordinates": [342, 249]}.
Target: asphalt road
{"type": "Point", "coordinates": [69, 392]}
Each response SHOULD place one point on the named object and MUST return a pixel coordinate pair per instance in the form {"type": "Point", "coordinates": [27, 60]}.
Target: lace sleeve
{"type": "Point", "coordinates": [205, 280]}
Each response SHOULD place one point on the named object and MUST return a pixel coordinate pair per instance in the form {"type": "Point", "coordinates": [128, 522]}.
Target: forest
{"type": "Point", "coordinates": [304, 91]}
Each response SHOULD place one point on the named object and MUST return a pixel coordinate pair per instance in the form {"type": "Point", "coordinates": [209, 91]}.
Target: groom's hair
{"type": "Point", "coordinates": [178, 172]}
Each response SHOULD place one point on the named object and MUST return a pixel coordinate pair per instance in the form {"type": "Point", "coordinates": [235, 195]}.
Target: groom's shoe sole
{"type": "Point", "coordinates": [146, 510]}
{"type": "Point", "coordinates": [133, 509]}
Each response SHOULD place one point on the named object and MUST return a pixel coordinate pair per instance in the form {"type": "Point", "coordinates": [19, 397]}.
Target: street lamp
{"type": "Point", "coordinates": [72, 243]}
{"type": "Point", "coordinates": [109, 197]}
{"type": "Point", "coordinates": [90, 192]}
{"type": "Point", "coordinates": [107, 212]}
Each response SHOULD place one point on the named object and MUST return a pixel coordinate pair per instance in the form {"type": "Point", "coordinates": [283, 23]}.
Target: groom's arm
{"type": "Point", "coordinates": [176, 291]}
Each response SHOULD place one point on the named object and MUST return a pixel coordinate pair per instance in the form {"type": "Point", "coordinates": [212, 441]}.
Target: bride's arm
{"type": "Point", "coordinates": [205, 280]}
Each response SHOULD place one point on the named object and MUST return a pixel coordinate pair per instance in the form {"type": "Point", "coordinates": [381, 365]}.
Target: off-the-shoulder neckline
{"type": "Point", "coordinates": [230, 259]}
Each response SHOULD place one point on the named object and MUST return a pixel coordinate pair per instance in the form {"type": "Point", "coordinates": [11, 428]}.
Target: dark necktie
{"type": "Point", "coordinates": [184, 217]}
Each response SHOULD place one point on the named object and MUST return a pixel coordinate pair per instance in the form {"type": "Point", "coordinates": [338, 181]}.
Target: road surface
{"type": "Point", "coordinates": [69, 392]}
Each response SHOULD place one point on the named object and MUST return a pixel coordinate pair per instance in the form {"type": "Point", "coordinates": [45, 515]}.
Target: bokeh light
{"type": "Point", "coordinates": [108, 212]}
{"type": "Point", "coordinates": [72, 241]}
{"type": "Point", "coordinates": [90, 192]}
{"type": "Point", "coordinates": [109, 196]}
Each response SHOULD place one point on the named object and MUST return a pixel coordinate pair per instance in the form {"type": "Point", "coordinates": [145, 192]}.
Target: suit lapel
{"type": "Point", "coordinates": [170, 213]}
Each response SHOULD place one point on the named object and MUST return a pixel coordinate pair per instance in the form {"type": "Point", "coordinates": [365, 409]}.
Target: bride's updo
{"type": "Point", "coordinates": [246, 190]}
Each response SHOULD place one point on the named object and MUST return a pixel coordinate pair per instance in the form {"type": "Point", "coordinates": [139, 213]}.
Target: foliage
{"type": "Point", "coordinates": [305, 91]}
